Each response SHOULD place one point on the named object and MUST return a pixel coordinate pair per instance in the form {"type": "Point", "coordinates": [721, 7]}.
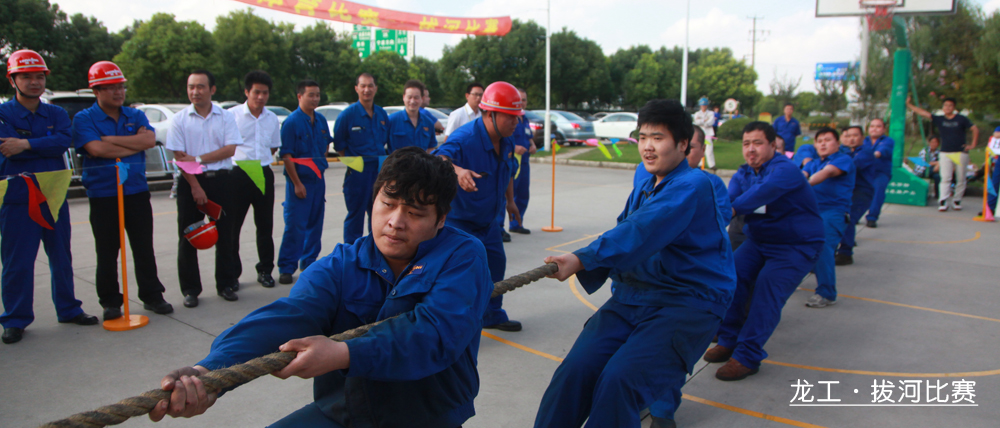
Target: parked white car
{"type": "Point", "coordinates": [616, 125]}
{"type": "Point", "coordinates": [160, 117]}
{"type": "Point", "coordinates": [330, 112]}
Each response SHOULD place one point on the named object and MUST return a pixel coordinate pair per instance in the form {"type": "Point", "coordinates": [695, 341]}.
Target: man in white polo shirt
{"type": "Point", "coordinates": [468, 112]}
{"type": "Point", "coordinates": [261, 138]}
{"type": "Point", "coordinates": [205, 133]}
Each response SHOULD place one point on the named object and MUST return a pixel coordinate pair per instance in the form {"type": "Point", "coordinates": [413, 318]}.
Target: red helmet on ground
{"type": "Point", "coordinates": [202, 235]}
{"type": "Point", "coordinates": [502, 97]}
{"type": "Point", "coordinates": [105, 73]}
{"type": "Point", "coordinates": [25, 61]}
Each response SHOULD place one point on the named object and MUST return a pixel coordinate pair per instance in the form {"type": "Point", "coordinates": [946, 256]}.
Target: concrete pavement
{"type": "Point", "coordinates": [918, 304]}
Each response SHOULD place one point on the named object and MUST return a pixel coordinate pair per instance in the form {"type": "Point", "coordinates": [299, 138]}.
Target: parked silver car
{"type": "Point", "coordinates": [574, 128]}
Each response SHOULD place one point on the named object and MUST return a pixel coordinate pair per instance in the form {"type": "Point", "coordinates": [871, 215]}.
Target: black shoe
{"type": "Point", "coordinates": [504, 235]}
{"type": "Point", "coordinates": [12, 335]}
{"type": "Point", "coordinates": [229, 295]}
{"type": "Point", "coordinates": [843, 259]}
{"type": "Point", "coordinates": [190, 301]}
{"type": "Point", "coordinates": [82, 319]}
{"type": "Point", "coordinates": [266, 280]}
{"type": "Point", "coordinates": [112, 313]}
{"type": "Point", "coordinates": [872, 224]}
{"type": "Point", "coordinates": [285, 278]}
{"type": "Point", "coordinates": [161, 308]}
{"type": "Point", "coordinates": [520, 230]}
{"type": "Point", "coordinates": [506, 326]}
{"type": "Point", "coordinates": [236, 285]}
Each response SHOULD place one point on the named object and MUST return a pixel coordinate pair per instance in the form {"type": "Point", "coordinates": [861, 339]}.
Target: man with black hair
{"type": "Point", "coordinates": [362, 129]}
{"type": "Point", "coordinates": [305, 135]}
{"type": "Point", "coordinates": [481, 152]}
{"type": "Point", "coordinates": [864, 188]}
{"type": "Point", "coordinates": [427, 281]}
{"type": "Point", "coordinates": [784, 234]}
{"type": "Point", "coordinates": [425, 103]}
{"type": "Point", "coordinates": [523, 147]}
{"type": "Point", "coordinates": [882, 147]}
{"type": "Point", "coordinates": [787, 127]}
{"type": "Point", "coordinates": [952, 129]}
{"type": "Point", "coordinates": [670, 289]}
{"type": "Point", "coordinates": [411, 126]}
{"type": "Point", "coordinates": [207, 134]}
{"type": "Point", "coordinates": [261, 139]}
{"type": "Point", "coordinates": [469, 112]}
{"type": "Point", "coordinates": [831, 176]}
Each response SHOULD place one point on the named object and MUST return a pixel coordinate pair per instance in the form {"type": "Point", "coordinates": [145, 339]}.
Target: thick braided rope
{"type": "Point", "coordinates": [217, 380]}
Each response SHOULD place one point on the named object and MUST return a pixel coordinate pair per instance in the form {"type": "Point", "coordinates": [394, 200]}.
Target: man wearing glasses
{"type": "Point", "coordinates": [468, 112]}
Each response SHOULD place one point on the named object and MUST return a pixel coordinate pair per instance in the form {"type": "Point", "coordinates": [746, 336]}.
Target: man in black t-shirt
{"type": "Point", "coordinates": [954, 158]}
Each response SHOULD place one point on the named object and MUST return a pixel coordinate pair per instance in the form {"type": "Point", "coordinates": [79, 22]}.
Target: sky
{"type": "Point", "coordinates": [791, 42]}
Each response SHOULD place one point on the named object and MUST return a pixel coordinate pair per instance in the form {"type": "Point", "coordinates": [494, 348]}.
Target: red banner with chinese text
{"type": "Point", "coordinates": [355, 13]}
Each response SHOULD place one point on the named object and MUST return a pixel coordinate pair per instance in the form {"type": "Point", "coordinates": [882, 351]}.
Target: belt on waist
{"type": "Point", "coordinates": [215, 173]}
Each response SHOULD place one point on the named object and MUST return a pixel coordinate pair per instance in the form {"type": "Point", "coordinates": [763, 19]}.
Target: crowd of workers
{"type": "Point", "coordinates": [435, 217]}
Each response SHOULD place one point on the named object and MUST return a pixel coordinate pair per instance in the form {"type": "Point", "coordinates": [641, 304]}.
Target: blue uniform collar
{"type": "Point", "coordinates": [364, 113]}
{"type": "Point", "coordinates": [374, 261]}
{"type": "Point", "coordinates": [23, 112]}
{"type": "Point", "coordinates": [676, 172]}
{"type": "Point", "coordinates": [484, 137]}
{"type": "Point", "coordinates": [765, 165]}
{"type": "Point", "coordinates": [100, 115]}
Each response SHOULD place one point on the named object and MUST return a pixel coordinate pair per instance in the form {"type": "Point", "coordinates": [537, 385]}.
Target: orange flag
{"type": "Point", "coordinates": [35, 198]}
{"type": "Point", "coordinates": [309, 163]}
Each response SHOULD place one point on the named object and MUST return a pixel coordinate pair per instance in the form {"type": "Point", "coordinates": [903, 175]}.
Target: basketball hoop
{"type": "Point", "coordinates": [879, 13]}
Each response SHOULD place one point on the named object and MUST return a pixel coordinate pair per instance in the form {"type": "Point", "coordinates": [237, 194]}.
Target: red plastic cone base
{"type": "Point", "coordinates": [131, 322]}
{"type": "Point", "coordinates": [552, 229]}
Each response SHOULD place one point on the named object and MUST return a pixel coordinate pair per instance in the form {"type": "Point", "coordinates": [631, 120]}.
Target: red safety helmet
{"type": "Point", "coordinates": [25, 61]}
{"type": "Point", "coordinates": [202, 235]}
{"type": "Point", "coordinates": [502, 97]}
{"type": "Point", "coordinates": [105, 73]}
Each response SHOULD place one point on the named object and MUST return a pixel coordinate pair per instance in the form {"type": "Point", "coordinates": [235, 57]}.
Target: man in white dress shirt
{"type": "Point", "coordinates": [469, 112]}
{"type": "Point", "coordinates": [261, 138]}
{"type": "Point", "coordinates": [205, 133]}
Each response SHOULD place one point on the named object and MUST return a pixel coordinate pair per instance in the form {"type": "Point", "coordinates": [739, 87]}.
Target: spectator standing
{"type": "Point", "coordinates": [469, 112]}
{"type": "Point", "coordinates": [787, 127]}
{"type": "Point", "coordinates": [952, 128]}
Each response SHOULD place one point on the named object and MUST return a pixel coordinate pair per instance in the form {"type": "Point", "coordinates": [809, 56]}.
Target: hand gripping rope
{"type": "Point", "coordinates": [217, 380]}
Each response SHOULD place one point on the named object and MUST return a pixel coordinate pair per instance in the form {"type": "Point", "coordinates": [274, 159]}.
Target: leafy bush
{"type": "Point", "coordinates": [732, 129]}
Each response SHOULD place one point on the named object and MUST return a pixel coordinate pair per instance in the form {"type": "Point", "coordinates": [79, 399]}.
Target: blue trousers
{"type": "Point", "coordinates": [834, 224]}
{"type": "Point", "coordinates": [881, 183]}
{"type": "Point", "coordinates": [625, 359]}
{"type": "Point", "coordinates": [860, 202]}
{"type": "Point", "coordinates": [19, 238]}
{"type": "Point", "coordinates": [521, 186]}
{"type": "Point", "coordinates": [496, 258]}
{"type": "Point", "coordinates": [766, 276]}
{"type": "Point", "coordinates": [358, 198]}
{"type": "Point", "coordinates": [300, 243]}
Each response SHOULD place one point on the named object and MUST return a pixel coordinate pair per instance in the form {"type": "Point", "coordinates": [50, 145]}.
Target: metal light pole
{"type": "Point", "coordinates": [548, 73]}
{"type": "Point", "coordinates": [684, 68]}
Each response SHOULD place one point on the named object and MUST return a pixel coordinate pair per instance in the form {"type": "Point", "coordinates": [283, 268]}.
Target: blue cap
{"type": "Point", "coordinates": [703, 101]}
{"type": "Point", "coordinates": [997, 129]}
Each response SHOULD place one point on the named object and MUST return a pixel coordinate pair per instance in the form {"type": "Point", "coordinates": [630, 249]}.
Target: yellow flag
{"type": "Point", "coordinates": [3, 190]}
{"type": "Point", "coordinates": [255, 171]}
{"type": "Point", "coordinates": [518, 157]}
{"type": "Point", "coordinates": [354, 162]}
{"type": "Point", "coordinates": [555, 146]}
{"type": "Point", "coordinates": [54, 185]}
{"type": "Point", "coordinates": [955, 157]}
{"type": "Point", "coordinates": [604, 150]}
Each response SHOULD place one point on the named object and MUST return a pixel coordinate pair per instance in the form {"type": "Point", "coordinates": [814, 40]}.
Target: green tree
{"type": "Point", "coordinates": [983, 81]}
{"type": "Point", "coordinates": [163, 52]}
{"type": "Point", "coordinates": [517, 58]}
{"type": "Point", "coordinates": [83, 41]}
{"type": "Point", "coordinates": [321, 54]}
{"type": "Point", "coordinates": [391, 72]}
{"type": "Point", "coordinates": [619, 64]}
{"type": "Point", "coordinates": [642, 83]}
{"type": "Point", "coordinates": [719, 76]}
{"type": "Point", "coordinates": [28, 24]}
{"type": "Point", "coordinates": [579, 71]}
{"type": "Point", "coordinates": [428, 72]}
{"type": "Point", "coordinates": [246, 42]}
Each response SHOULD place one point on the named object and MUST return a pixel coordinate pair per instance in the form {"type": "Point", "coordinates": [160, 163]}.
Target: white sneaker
{"type": "Point", "coordinates": [817, 301]}
{"type": "Point", "coordinates": [956, 205]}
{"type": "Point", "coordinates": [943, 205]}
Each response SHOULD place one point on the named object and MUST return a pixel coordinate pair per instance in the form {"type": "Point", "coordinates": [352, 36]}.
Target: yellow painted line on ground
{"type": "Point", "coordinates": [154, 215]}
{"type": "Point", "coordinates": [946, 217]}
{"type": "Point", "coordinates": [978, 235]}
{"type": "Point", "coordinates": [576, 292]}
{"type": "Point", "coordinates": [553, 248]}
{"type": "Point", "coordinates": [903, 305]}
{"type": "Point", "coordinates": [887, 374]}
{"type": "Point", "coordinates": [685, 396]}
{"type": "Point", "coordinates": [764, 416]}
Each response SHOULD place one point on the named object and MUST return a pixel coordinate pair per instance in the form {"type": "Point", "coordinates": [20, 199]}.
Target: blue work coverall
{"type": "Point", "coordinates": [805, 151]}
{"type": "Point", "coordinates": [415, 370]}
{"type": "Point", "coordinates": [48, 131]}
{"type": "Point", "coordinates": [883, 172]}
{"type": "Point", "coordinates": [784, 233]}
{"type": "Point", "coordinates": [522, 183]}
{"type": "Point", "coordinates": [787, 130]}
{"type": "Point", "coordinates": [357, 133]}
{"type": "Point", "coordinates": [402, 133]}
{"type": "Point", "coordinates": [864, 190]}
{"type": "Point", "coordinates": [672, 273]}
{"type": "Point", "coordinates": [476, 212]}
{"type": "Point", "coordinates": [833, 196]}
{"type": "Point", "coordinates": [300, 138]}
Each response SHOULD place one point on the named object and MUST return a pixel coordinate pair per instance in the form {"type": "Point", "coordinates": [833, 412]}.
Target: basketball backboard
{"type": "Point", "coordinates": [835, 8]}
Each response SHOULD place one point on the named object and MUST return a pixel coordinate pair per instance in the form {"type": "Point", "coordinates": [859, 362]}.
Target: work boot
{"type": "Point", "coordinates": [504, 235]}
{"type": "Point", "coordinates": [82, 319]}
{"type": "Point", "coordinates": [734, 370]}
{"type": "Point", "coordinates": [872, 224]}
{"type": "Point", "coordinates": [12, 335]}
{"type": "Point", "coordinates": [285, 278]}
{"type": "Point", "coordinates": [718, 354]}
{"type": "Point", "coordinates": [266, 280]}
{"type": "Point", "coordinates": [112, 313]}
{"type": "Point", "coordinates": [843, 259]}
{"type": "Point", "coordinates": [506, 326]}
{"type": "Point", "coordinates": [161, 308]}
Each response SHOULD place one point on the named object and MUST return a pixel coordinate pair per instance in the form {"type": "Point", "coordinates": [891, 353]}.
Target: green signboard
{"type": "Point", "coordinates": [362, 40]}
{"type": "Point", "coordinates": [392, 40]}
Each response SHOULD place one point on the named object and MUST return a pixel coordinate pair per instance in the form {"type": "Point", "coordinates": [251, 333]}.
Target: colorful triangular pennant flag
{"type": "Point", "coordinates": [555, 146]}
{"type": "Point", "coordinates": [518, 173]}
{"type": "Point", "coordinates": [35, 198]}
{"type": "Point", "coordinates": [604, 150]}
{"type": "Point", "coordinates": [353, 162]}
{"type": "Point", "coordinates": [122, 172]}
{"type": "Point", "coordinates": [3, 190]}
{"type": "Point", "coordinates": [255, 171]}
{"type": "Point", "coordinates": [954, 157]}
{"type": "Point", "coordinates": [617, 150]}
{"type": "Point", "coordinates": [53, 185]}
{"type": "Point", "coordinates": [308, 162]}
{"type": "Point", "coordinates": [190, 167]}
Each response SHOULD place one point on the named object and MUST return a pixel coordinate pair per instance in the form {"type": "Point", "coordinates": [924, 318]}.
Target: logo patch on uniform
{"type": "Point", "coordinates": [416, 269]}
{"type": "Point", "coordinates": [426, 129]}
{"type": "Point", "coordinates": [382, 122]}
{"type": "Point", "coordinates": [510, 154]}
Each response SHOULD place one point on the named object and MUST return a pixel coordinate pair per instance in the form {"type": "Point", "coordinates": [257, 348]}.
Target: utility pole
{"type": "Point", "coordinates": [756, 36]}
{"type": "Point", "coordinates": [684, 68]}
